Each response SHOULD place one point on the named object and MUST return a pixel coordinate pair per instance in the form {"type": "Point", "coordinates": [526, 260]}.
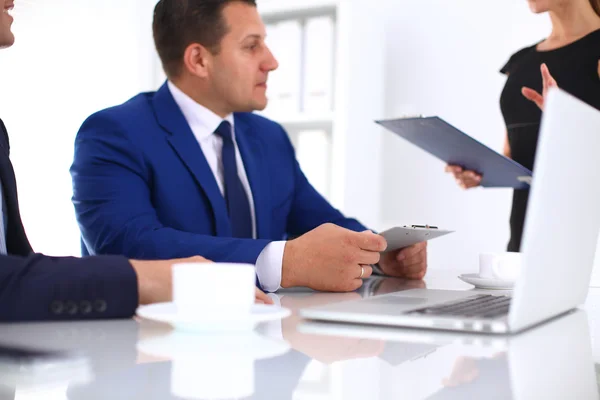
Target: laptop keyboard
{"type": "Point", "coordinates": [479, 306]}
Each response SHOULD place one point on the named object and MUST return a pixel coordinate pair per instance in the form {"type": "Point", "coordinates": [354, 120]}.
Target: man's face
{"type": "Point", "coordinates": [238, 73]}
{"type": "Point", "coordinates": [6, 20]}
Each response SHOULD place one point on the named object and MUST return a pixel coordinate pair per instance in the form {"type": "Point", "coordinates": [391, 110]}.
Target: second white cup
{"type": "Point", "coordinates": [502, 266]}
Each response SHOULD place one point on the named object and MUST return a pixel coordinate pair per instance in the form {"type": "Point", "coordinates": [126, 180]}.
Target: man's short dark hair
{"type": "Point", "coordinates": [179, 23]}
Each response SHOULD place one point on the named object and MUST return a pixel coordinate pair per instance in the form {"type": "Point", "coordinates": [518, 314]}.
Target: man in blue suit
{"type": "Point", "coordinates": [190, 170]}
{"type": "Point", "coordinates": [38, 287]}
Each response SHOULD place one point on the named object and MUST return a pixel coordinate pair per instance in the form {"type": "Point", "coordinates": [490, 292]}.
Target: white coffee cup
{"type": "Point", "coordinates": [502, 266]}
{"type": "Point", "coordinates": [213, 288]}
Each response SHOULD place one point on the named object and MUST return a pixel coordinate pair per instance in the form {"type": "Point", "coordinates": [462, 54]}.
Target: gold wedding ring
{"type": "Point", "coordinates": [362, 272]}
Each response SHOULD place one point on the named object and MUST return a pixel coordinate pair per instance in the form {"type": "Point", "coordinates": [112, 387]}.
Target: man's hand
{"type": "Point", "coordinates": [409, 262]}
{"type": "Point", "coordinates": [331, 258]}
{"type": "Point", "coordinates": [155, 278]}
{"type": "Point", "coordinates": [261, 298]}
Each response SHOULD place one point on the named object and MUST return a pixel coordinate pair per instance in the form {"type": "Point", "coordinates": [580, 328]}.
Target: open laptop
{"type": "Point", "coordinates": [558, 249]}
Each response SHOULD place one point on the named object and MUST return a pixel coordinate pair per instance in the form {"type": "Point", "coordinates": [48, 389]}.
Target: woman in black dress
{"type": "Point", "coordinates": [572, 54]}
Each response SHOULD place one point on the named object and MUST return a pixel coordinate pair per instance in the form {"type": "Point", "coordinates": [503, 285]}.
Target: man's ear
{"type": "Point", "coordinates": [196, 60]}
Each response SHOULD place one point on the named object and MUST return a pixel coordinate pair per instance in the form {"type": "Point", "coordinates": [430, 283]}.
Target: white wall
{"type": "Point", "coordinates": [71, 58]}
{"type": "Point", "coordinates": [74, 57]}
{"type": "Point", "coordinates": [443, 58]}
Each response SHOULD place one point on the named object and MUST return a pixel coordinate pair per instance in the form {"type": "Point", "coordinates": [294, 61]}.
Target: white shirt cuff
{"type": "Point", "coordinates": [269, 265]}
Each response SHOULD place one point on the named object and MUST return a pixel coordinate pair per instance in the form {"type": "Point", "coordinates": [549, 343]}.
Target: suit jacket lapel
{"type": "Point", "coordinates": [184, 143]}
{"type": "Point", "coordinates": [251, 152]}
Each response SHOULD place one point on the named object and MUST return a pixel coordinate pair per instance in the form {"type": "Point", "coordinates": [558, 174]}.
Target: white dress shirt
{"type": "Point", "coordinates": [203, 123]}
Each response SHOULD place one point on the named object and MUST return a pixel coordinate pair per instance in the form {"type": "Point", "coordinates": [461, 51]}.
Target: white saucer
{"type": "Point", "coordinates": [167, 312]}
{"type": "Point", "coordinates": [486, 283]}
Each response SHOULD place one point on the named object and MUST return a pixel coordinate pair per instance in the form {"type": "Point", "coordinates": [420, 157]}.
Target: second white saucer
{"type": "Point", "coordinates": [485, 283]}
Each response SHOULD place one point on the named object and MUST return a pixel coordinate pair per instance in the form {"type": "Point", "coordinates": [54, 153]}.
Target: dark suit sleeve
{"type": "Point", "coordinates": [39, 287]}
{"type": "Point", "coordinates": [309, 208]}
{"type": "Point", "coordinates": [113, 202]}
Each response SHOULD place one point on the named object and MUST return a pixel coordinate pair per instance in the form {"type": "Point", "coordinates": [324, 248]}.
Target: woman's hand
{"type": "Point", "coordinates": [464, 179]}
{"type": "Point", "coordinates": [548, 82]}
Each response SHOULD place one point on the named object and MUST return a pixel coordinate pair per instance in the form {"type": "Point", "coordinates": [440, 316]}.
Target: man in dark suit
{"type": "Point", "coordinates": [190, 170]}
{"type": "Point", "coordinates": [37, 287]}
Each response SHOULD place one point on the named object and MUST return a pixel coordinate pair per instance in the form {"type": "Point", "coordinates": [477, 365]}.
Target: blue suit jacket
{"type": "Point", "coordinates": [38, 287]}
{"type": "Point", "coordinates": [143, 188]}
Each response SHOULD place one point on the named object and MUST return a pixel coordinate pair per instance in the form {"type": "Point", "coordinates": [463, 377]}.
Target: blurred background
{"type": "Point", "coordinates": [344, 64]}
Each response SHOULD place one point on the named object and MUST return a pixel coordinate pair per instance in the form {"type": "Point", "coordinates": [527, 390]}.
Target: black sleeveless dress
{"type": "Point", "coordinates": [575, 69]}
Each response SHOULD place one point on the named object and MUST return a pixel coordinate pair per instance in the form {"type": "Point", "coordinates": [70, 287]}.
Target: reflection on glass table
{"type": "Point", "coordinates": [551, 361]}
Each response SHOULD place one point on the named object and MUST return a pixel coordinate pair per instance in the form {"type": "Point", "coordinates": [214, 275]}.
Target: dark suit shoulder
{"type": "Point", "coordinates": [128, 110]}
{"type": "Point", "coordinates": [4, 135]}
{"type": "Point", "coordinates": [123, 117]}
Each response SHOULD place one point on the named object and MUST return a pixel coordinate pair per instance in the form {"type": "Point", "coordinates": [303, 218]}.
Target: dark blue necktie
{"type": "Point", "coordinates": [235, 195]}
